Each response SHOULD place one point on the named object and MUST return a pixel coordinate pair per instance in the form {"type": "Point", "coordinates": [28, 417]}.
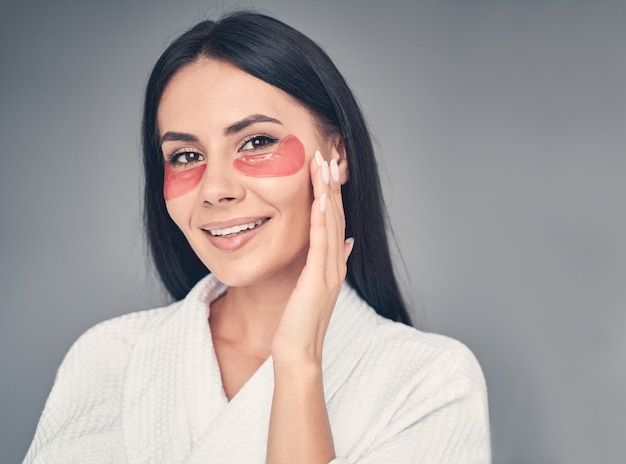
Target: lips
{"type": "Point", "coordinates": [233, 234]}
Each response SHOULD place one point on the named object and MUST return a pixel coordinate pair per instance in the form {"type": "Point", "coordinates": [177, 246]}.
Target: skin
{"type": "Point", "coordinates": [285, 277]}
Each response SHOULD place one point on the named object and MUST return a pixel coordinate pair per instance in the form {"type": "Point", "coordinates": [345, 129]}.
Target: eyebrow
{"type": "Point", "coordinates": [248, 121]}
{"type": "Point", "coordinates": [230, 130]}
{"type": "Point", "coordinates": [177, 136]}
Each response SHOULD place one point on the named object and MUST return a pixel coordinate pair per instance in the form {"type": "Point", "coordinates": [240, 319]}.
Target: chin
{"type": "Point", "coordinates": [236, 280]}
{"type": "Point", "coordinates": [240, 274]}
{"type": "Point", "coordinates": [246, 275]}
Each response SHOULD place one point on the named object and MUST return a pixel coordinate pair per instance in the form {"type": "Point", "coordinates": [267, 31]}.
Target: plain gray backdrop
{"type": "Point", "coordinates": [500, 128]}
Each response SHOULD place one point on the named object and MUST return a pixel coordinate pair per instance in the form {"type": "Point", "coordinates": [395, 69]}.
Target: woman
{"type": "Point", "coordinates": [258, 164]}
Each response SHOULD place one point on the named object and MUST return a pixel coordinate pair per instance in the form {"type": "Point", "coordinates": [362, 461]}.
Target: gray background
{"type": "Point", "coordinates": [500, 127]}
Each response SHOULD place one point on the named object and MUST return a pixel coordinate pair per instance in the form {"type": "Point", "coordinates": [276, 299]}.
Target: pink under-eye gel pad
{"type": "Point", "coordinates": [286, 160]}
{"type": "Point", "coordinates": [178, 183]}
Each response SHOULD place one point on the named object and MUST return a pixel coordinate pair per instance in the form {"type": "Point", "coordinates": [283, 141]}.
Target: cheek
{"type": "Point", "coordinates": [177, 183]}
{"type": "Point", "coordinates": [287, 160]}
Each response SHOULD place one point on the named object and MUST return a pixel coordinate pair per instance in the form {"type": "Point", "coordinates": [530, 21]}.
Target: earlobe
{"type": "Point", "coordinates": [339, 148]}
{"type": "Point", "coordinates": [343, 171]}
{"type": "Point", "coordinates": [339, 153]}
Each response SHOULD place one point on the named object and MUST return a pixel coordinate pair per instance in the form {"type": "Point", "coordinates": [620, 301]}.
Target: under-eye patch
{"type": "Point", "coordinates": [286, 160]}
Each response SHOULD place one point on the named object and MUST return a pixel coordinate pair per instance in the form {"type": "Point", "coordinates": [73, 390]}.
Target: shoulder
{"type": "Point", "coordinates": [419, 394]}
{"type": "Point", "coordinates": [419, 351]}
{"type": "Point", "coordinates": [122, 330]}
{"type": "Point", "coordinates": [86, 394]}
{"type": "Point", "coordinates": [104, 348]}
{"type": "Point", "coordinates": [103, 351]}
{"type": "Point", "coordinates": [401, 353]}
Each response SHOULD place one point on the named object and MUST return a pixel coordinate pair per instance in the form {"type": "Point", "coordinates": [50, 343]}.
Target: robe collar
{"type": "Point", "coordinates": [174, 405]}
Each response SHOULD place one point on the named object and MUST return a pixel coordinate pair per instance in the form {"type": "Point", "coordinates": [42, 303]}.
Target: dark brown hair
{"type": "Point", "coordinates": [285, 58]}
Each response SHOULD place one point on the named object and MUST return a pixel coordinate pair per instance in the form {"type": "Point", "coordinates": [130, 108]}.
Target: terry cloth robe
{"type": "Point", "coordinates": [146, 388]}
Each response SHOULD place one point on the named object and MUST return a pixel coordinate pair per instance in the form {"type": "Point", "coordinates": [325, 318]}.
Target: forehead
{"type": "Point", "coordinates": [218, 93]}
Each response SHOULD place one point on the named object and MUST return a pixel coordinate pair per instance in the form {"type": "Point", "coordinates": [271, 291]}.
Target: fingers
{"type": "Point", "coordinates": [318, 247]}
{"type": "Point", "coordinates": [329, 251]}
{"type": "Point", "coordinates": [335, 222]}
{"type": "Point", "coordinates": [339, 217]}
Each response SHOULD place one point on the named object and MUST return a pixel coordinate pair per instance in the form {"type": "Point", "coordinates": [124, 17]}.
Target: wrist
{"type": "Point", "coordinates": [288, 352]}
{"type": "Point", "coordinates": [298, 364]}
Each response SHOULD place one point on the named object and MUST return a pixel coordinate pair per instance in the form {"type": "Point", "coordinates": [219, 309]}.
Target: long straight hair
{"type": "Point", "coordinates": [285, 58]}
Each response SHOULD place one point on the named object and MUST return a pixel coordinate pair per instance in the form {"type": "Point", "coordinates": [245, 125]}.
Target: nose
{"type": "Point", "coordinates": [220, 184]}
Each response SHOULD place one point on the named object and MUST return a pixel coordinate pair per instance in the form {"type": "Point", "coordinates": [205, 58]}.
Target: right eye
{"type": "Point", "coordinates": [185, 159]}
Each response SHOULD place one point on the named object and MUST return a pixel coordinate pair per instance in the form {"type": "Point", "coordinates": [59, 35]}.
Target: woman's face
{"type": "Point", "coordinates": [237, 153]}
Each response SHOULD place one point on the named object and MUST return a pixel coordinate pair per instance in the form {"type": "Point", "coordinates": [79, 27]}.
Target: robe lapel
{"type": "Point", "coordinates": [348, 336]}
{"type": "Point", "coordinates": [239, 433]}
{"type": "Point", "coordinates": [173, 387]}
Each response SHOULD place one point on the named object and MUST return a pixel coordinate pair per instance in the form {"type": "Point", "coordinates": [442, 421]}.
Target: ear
{"type": "Point", "coordinates": [339, 154]}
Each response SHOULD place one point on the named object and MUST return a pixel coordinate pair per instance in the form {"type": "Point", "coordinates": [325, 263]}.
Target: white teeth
{"type": "Point", "coordinates": [236, 229]}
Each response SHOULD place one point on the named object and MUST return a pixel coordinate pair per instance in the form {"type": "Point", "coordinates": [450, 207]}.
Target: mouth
{"type": "Point", "coordinates": [238, 229]}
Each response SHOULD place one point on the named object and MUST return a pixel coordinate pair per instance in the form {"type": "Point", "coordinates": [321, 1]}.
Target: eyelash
{"type": "Point", "coordinates": [267, 139]}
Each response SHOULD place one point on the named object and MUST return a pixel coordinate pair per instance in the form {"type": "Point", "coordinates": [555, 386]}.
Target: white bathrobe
{"type": "Point", "coordinates": [146, 388]}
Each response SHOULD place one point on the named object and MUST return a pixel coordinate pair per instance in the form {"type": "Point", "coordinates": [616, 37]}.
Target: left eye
{"type": "Point", "coordinates": [258, 141]}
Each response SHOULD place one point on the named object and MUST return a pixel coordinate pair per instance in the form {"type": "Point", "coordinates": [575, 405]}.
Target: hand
{"type": "Point", "coordinates": [302, 328]}
{"type": "Point", "coordinates": [299, 429]}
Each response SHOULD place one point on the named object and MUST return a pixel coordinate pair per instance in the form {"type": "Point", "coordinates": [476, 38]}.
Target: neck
{"type": "Point", "coordinates": [248, 316]}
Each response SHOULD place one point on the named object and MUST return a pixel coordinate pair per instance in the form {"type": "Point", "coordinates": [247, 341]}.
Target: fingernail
{"type": "Point", "coordinates": [334, 170]}
{"type": "Point", "coordinates": [319, 159]}
{"type": "Point", "coordinates": [325, 173]}
{"type": "Point", "coordinates": [323, 203]}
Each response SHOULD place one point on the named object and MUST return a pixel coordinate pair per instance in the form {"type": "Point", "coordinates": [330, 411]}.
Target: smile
{"type": "Point", "coordinates": [236, 229]}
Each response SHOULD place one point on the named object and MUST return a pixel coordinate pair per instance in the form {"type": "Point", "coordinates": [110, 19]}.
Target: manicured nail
{"type": "Point", "coordinates": [319, 159]}
{"type": "Point", "coordinates": [323, 203]}
{"type": "Point", "coordinates": [334, 170]}
{"type": "Point", "coordinates": [325, 173]}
